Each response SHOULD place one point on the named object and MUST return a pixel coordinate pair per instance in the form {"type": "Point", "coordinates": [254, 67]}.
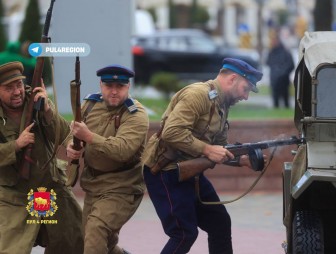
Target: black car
{"type": "Point", "coordinates": [189, 53]}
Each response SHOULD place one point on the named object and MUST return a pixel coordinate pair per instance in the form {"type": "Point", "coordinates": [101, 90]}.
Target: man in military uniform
{"type": "Point", "coordinates": [21, 228]}
{"type": "Point", "coordinates": [114, 131]}
{"type": "Point", "coordinates": [195, 125]}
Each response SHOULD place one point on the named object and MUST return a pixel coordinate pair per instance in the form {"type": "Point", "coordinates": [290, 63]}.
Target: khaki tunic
{"type": "Point", "coordinates": [185, 127]}
{"type": "Point", "coordinates": [111, 151]}
{"type": "Point", "coordinates": [16, 236]}
{"type": "Point", "coordinates": [114, 194]}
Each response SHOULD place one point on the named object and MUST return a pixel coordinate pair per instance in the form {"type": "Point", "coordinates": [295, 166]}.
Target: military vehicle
{"type": "Point", "coordinates": [309, 181]}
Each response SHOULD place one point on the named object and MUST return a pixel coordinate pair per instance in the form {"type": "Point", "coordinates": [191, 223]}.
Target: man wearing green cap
{"type": "Point", "coordinates": [38, 209]}
{"type": "Point", "coordinates": [194, 125]}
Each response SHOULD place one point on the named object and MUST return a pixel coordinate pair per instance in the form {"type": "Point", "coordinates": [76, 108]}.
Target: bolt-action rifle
{"type": "Point", "coordinates": [76, 109]}
{"type": "Point", "coordinates": [193, 167]}
{"type": "Point", "coordinates": [34, 107]}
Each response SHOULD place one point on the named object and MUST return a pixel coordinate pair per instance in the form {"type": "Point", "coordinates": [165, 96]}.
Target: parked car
{"type": "Point", "coordinates": [189, 53]}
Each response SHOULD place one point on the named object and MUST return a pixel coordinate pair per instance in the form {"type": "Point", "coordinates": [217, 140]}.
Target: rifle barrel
{"type": "Point", "coordinates": [24, 170]}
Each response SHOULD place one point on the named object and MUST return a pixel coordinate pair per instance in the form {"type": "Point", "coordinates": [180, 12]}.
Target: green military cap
{"type": "Point", "coordinates": [10, 72]}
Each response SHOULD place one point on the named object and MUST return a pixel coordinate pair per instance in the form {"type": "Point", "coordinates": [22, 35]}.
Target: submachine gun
{"type": "Point", "coordinates": [33, 108]}
{"type": "Point", "coordinates": [194, 167]}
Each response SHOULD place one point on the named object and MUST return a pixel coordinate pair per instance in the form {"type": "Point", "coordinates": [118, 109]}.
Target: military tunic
{"type": "Point", "coordinates": [16, 234]}
{"type": "Point", "coordinates": [189, 123]}
{"type": "Point", "coordinates": [112, 175]}
{"type": "Point", "coordinates": [185, 127]}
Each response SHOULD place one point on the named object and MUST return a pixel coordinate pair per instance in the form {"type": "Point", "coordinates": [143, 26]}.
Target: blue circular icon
{"type": "Point", "coordinates": [35, 49]}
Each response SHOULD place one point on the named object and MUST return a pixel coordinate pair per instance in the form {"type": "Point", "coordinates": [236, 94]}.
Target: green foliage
{"type": "Point", "coordinates": [199, 15]}
{"type": "Point", "coordinates": [157, 106]}
{"type": "Point", "coordinates": [152, 12]}
{"type": "Point", "coordinates": [31, 29]}
{"type": "Point", "coordinates": [3, 37]}
{"type": "Point", "coordinates": [283, 16]}
{"type": "Point", "coordinates": [172, 14]}
{"type": "Point", "coordinates": [165, 82]}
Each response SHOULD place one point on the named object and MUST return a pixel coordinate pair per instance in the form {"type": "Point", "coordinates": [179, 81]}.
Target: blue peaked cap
{"type": "Point", "coordinates": [115, 73]}
{"type": "Point", "coordinates": [245, 70]}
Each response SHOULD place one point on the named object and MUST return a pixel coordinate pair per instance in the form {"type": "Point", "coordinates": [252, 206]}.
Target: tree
{"type": "Point", "coordinates": [172, 14]}
{"type": "Point", "coordinates": [31, 31]}
{"type": "Point", "coordinates": [3, 37]}
{"type": "Point", "coordinates": [198, 15]}
{"type": "Point", "coordinates": [31, 28]}
{"type": "Point", "coordinates": [323, 15]}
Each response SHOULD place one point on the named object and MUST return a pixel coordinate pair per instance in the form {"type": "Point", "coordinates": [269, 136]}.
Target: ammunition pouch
{"type": "Point", "coordinates": [167, 156]}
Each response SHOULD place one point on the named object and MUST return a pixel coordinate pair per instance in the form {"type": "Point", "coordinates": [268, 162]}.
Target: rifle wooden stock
{"type": "Point", "coordinates": [78, 118]}
{"type": "Point", "coordinates": [76, 108]}
{"type": "Point", "coordinates": [191, 168]}
{"type": "Point", "coordinates": [26, 161]}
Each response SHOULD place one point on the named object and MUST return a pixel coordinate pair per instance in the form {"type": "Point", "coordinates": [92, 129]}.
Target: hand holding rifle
{"type": "Point", "coordinates": [35, 103]}
{"type": "Point", "coordinates": [74, 148]}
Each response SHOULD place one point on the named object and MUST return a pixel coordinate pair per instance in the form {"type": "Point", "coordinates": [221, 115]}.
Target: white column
{"type": "Point", "coordinates": [230, 27]}
{"type": "Point", "coordinates": [162, 17]}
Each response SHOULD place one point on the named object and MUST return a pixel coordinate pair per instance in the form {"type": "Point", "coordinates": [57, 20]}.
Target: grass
{"type": "Point", "coordinates": [241, 111]}
{"type": "Point", "coordinates": [255, 112]}
{"type": "Point", "coordinates": [238, 112]}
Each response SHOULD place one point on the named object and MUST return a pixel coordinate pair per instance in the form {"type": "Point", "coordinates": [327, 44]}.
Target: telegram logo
{"type": "Point", "coordinates": [35, 49]}
{"type": "Point", "coordinates": [58, 49]}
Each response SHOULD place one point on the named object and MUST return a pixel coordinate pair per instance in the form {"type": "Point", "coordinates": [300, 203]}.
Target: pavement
{"type": "Point", "coordinates": [256, 226]}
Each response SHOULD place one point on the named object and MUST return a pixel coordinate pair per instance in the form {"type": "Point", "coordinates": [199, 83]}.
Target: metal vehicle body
{"type": "Point", "coordinates": [189, 53]}
{"type": "Point", "coordinates": [309, 181]}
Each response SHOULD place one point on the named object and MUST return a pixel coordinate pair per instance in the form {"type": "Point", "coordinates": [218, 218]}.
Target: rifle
{"type": "Point", "coordinates": [76, 109]}
{"type": "Point", "coordinates": [33, 108]}
{"type": "Point", "coordinates": [193, 167]}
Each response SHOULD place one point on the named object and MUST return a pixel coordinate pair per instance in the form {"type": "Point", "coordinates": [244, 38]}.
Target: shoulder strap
{"type": "Point", "coordinates": [212, 109]}
{"type": "Point", "coordinates": [88, 109]}
{"type": "Point", "coordinates": [118, 118]}
{"type": "Point", "coordinates": [92, 99]}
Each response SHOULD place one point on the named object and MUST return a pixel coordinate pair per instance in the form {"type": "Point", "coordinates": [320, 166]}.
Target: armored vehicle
{"type": "Point", "coordinates": [309, 181]}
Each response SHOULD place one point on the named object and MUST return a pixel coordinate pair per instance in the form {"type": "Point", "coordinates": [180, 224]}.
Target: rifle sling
{"type": "Point", "coordinates": [212, 111]}
{"type": "Point", "coordinates": [197, 187]}
{"type": "Point", "coordinates": [117, 117]}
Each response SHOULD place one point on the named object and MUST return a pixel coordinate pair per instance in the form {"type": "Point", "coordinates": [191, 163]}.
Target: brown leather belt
{"type": "Point", "coordinates": [95, 172]}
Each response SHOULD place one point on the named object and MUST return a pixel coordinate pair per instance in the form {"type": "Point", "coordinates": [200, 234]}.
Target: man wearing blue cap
{"type": "Point", "coordinates": [114, 131]}
{"type": "Point", "coordinates": [195, 125]}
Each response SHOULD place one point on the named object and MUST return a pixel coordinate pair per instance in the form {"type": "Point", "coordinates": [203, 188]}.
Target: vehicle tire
{"type": "Point", "coordinates": [307, 233]}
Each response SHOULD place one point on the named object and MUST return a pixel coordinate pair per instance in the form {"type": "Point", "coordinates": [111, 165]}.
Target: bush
{"type": "Point", "coordinates": [165, 82]}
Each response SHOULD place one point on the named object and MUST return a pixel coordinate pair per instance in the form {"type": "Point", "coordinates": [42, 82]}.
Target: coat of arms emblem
{"type": "Point", "coordinates": [41, 203]}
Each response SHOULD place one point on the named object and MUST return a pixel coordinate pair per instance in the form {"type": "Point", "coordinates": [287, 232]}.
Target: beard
{"type": "Point", "coordinates": [16, 102]}
{"type": "Point", "coordinates": [13, 103]}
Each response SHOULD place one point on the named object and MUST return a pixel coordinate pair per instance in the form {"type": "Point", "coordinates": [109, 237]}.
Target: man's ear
{"type": "Point", "coordinates": [232, 78]}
